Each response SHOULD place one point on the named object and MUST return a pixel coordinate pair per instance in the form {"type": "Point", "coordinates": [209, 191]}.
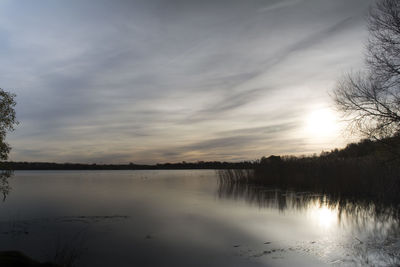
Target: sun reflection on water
{"type": "Point", "coordinates": [335, 229]}
{"type": "Point", "coordinates": [324, 216]}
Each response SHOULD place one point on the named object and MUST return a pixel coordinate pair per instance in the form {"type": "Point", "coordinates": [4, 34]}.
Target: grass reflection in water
{"type": "Point", "coordinates": [372, 228]}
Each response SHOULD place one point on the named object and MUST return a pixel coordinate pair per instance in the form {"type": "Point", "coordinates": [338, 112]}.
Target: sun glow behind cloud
{"type": "Point", "coordinates": [322, 124]}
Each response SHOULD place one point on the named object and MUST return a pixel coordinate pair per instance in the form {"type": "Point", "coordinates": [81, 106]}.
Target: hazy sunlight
{"type": "Point", "coordinates": [321, 123]}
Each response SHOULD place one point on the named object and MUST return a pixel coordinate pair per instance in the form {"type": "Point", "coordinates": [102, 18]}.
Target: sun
{"type": "Point", "coordinates": [321, 123]}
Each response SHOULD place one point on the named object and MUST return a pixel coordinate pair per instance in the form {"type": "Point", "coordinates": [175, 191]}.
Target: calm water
{"type": "Point", "coordinates": [185, 218]}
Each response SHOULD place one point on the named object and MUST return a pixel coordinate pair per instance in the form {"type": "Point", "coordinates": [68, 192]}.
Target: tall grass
{"type": "Point", "coordinates": [235, 175]}
{"type": "Point", "coordinates": [368, 177]}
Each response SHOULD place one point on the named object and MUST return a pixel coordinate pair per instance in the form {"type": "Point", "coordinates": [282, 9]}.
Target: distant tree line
{"type": "Point", "coordinates": [366, 148]}
{"type": "Point", "coordinates": [130, 166]}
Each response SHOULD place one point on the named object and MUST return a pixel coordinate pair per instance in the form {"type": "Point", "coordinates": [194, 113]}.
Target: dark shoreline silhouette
{"type": "Point", "coordinates": [365, 173]}
{"type": "Point", "coordinates": [131, 166]}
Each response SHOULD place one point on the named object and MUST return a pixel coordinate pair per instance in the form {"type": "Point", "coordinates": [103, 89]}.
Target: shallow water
{"type": "Point", "coordinates": [185, 218]}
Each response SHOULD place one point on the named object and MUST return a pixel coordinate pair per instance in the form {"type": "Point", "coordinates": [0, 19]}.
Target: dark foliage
{"type": "Point", "coordinates": [365, 171]}
{"type": "Point", "coordinates": [7, 120]}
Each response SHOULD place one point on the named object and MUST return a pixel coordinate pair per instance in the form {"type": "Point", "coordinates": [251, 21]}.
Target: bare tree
{"type": "Point", "coordinates": [371, 99]}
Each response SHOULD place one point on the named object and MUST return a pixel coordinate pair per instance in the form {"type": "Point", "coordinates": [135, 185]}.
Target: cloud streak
{"type": "Point", "coordinates": [150, 81]}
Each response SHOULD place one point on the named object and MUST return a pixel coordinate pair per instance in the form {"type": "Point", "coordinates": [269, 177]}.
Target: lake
{"type": "Point", "coordinates": [186, 218]}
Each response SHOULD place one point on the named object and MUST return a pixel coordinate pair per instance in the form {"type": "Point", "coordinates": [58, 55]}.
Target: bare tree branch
{"type": "Point", "coordinates": [371, 100]}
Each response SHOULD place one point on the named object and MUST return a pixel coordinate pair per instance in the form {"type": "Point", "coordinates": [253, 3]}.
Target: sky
{"type": "Point", "coordinates": [177, 80]}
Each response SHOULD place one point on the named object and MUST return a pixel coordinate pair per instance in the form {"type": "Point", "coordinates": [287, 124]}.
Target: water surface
{"type": "Point", "coordinates": [185, 218]}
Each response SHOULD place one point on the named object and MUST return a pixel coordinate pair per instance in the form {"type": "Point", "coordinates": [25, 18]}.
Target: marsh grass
{"type": "Point", "coordinates": [365, 179]}
{"type": "Point", "coordinates": [235, 176]}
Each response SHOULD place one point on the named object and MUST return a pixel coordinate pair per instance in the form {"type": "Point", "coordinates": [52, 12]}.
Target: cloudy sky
{"type": "Point", "coordinates": [170, 80]}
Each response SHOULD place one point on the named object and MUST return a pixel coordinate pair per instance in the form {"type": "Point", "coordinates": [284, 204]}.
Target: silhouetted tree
{"type": "Point", "coordinates": [371, 99]}
{"type": "Point", "coordinates": [7, 120]}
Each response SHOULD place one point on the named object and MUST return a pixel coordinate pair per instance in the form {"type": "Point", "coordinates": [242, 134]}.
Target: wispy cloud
{"type": "Point", "coordinates": [155, 80]}
{"type": "Point", "coordinates": [279, 5]}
